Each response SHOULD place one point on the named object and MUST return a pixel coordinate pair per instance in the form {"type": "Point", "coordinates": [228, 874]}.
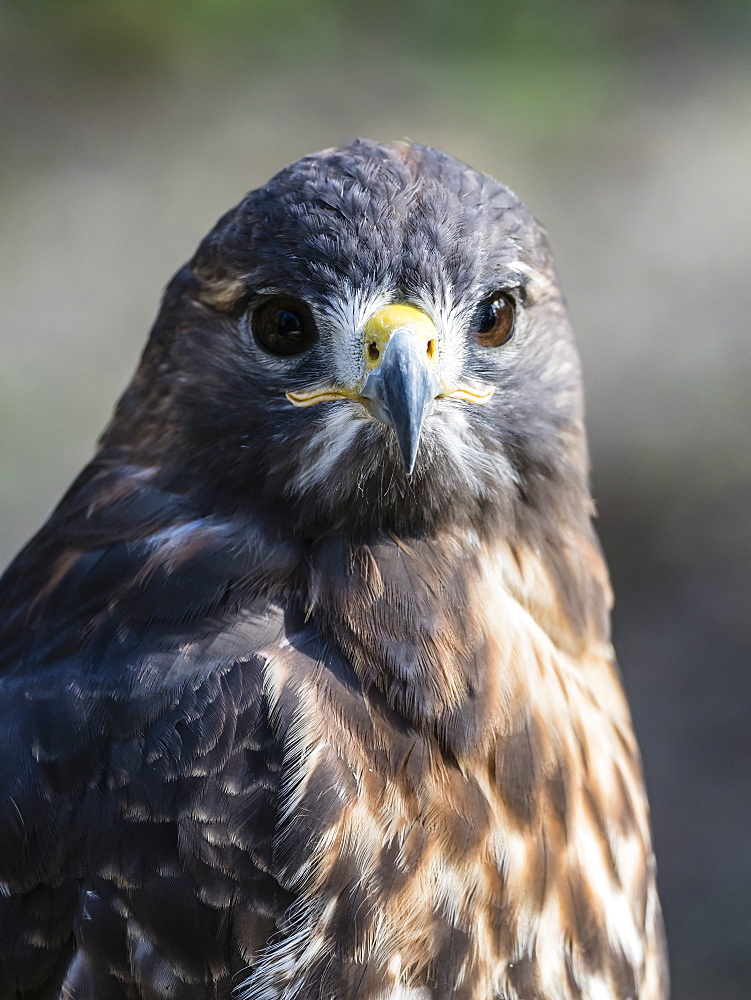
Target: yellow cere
{"type": "Point", "coordinates": [383, 324]}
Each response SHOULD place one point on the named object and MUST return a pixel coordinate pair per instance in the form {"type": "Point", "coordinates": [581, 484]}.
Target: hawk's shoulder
{"type": "Point", "coordinates": [137, 739]}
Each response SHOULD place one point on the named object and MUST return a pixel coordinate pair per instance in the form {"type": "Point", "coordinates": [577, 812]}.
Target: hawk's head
{"type": "Point", "coordinates": [375, 339]}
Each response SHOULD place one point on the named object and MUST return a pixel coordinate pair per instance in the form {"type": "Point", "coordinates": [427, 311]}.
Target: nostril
{"type": "Point", "coordinates": [373, 352]}
{"type": "Point", "coordinates": [431, 348]}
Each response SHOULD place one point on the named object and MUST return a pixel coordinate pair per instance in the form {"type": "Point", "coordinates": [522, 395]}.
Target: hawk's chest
{"type": "Point", "coordinates": [459, 814]}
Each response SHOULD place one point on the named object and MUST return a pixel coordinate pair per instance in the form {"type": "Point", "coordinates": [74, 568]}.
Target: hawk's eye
{"type": "Point", "coordinates": [493, 322]}
{"type": "Point", "coordinates": [283, 326]}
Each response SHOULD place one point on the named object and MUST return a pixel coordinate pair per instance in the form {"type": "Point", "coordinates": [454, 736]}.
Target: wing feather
{"type": "Point", "coordinates": [139, 786]}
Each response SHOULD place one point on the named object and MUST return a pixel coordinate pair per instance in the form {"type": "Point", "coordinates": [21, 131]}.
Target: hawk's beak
{"type": "Point", "coordinates": [401, 389]}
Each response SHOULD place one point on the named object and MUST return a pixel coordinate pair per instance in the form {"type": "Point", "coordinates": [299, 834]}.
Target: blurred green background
{"type": "Point", "coordinates": [129, 126]}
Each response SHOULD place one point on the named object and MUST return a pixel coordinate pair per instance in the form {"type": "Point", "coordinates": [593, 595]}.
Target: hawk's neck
{"type": "Point", "coordinates": [437, 624]}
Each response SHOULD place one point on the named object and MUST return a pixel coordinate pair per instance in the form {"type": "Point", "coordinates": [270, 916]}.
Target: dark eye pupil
{"type": "Point", "coordinates": [287, 322]}
{"type": "Point", "coordinates": [486, 317]}
{"type": "Point", "coordinates": [283, 326]}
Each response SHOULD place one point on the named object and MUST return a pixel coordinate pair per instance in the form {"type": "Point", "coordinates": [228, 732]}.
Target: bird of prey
{"type": "Point", "coordinates": [306, 688]}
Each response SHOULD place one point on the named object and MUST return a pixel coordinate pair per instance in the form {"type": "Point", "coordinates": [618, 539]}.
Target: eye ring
{"type": "Point", "coordinates": [283, 326]}
{"type": "Point", "coordinates": [493, 321]}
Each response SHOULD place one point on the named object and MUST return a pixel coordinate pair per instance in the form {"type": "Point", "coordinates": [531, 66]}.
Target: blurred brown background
{"type": "Point", "coordinates": [130, 126]}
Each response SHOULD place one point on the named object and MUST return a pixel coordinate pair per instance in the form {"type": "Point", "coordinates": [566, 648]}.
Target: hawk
{"type": "Point", "coordinates": [306, 688]}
